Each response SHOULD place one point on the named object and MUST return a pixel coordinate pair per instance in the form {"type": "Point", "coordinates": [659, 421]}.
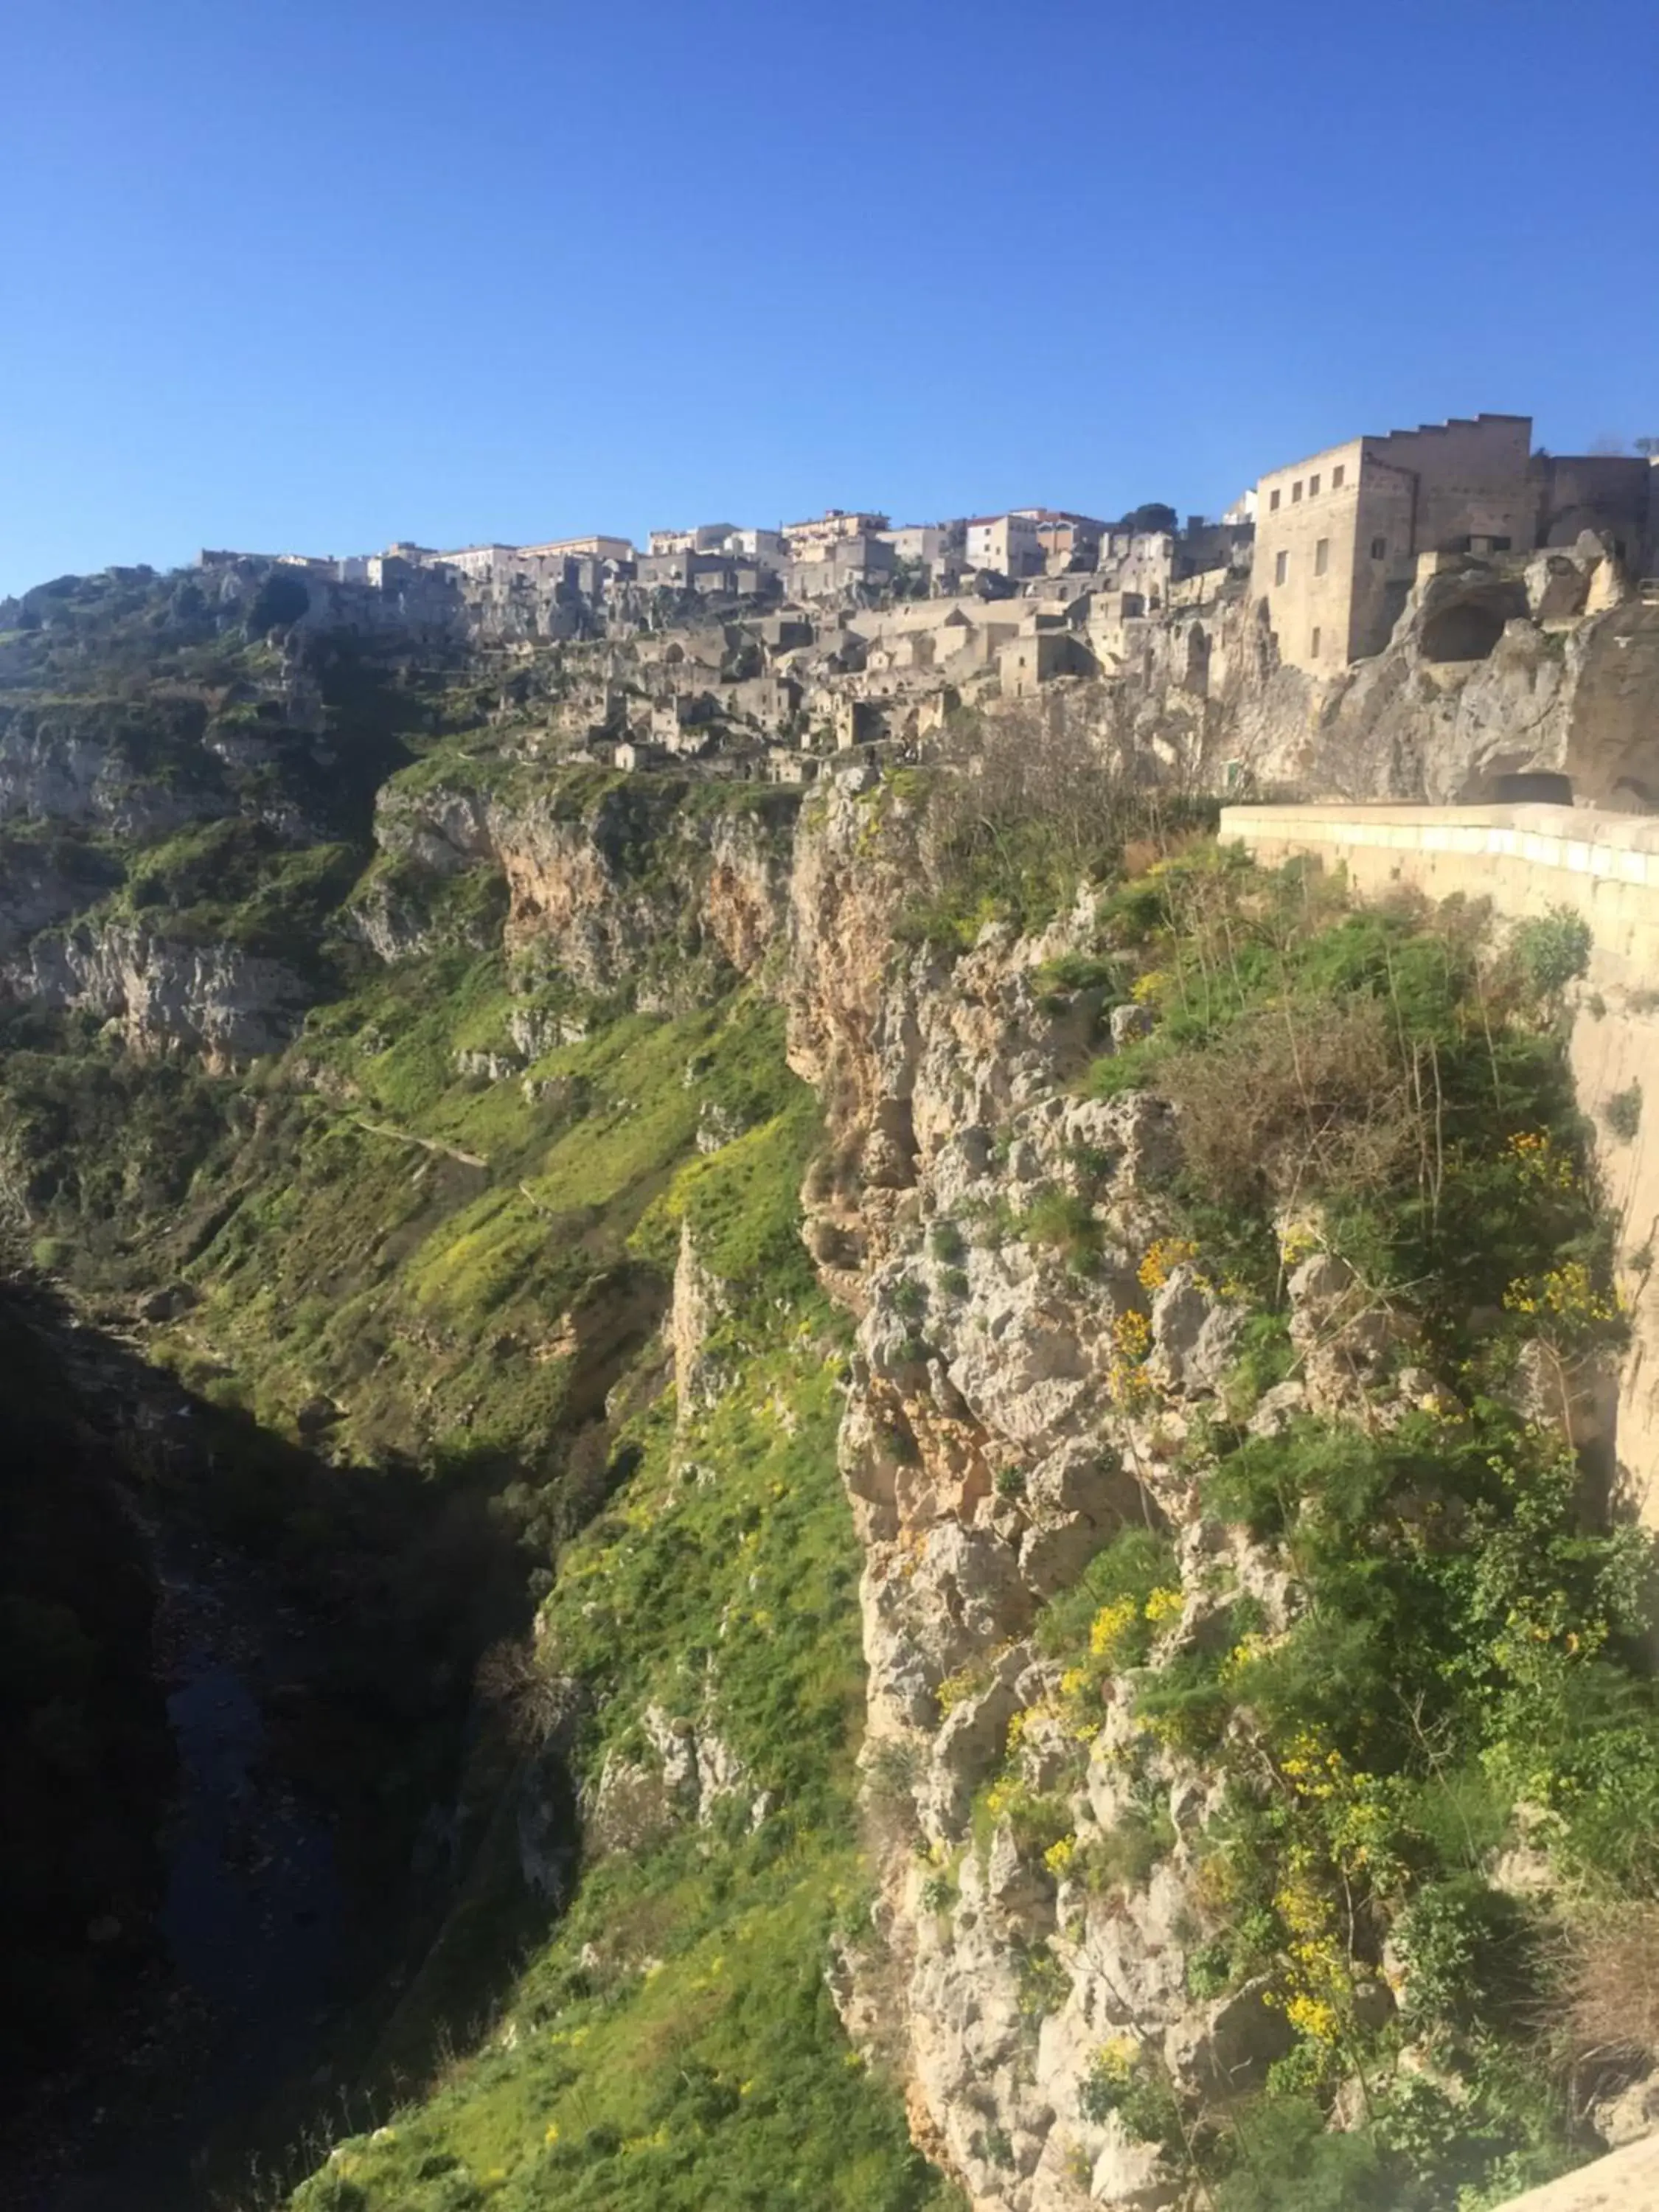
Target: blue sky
{"type": "Point", "coordinates": [316, 276]}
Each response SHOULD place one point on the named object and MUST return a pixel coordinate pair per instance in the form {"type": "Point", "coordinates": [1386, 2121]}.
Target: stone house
{"type": "Point", "coordinates": [708, 536]}
{"type": "Point", "coordinates": [764, 547]}
{"type": "Point", "coordinates": [1067, 541]}
{"type": "Point", "coordinates": [848, 564]}
{"type": "Point", "coordinates": [771, 699]}
{"type": "Point", "coordinates": [782, 633]}
{"type": "Point", "coordinates": [940, 548]}
{"type": "Point", "coordinates": [814, 540]}
{"type": "Point", "coordinates": [784, 766]}
{"type": "Point", "coordinates": [856, 722]}
{"type": "Point", "coordinates": [1007, 544]}
{"type": "Point", "coordinates": [680, 725]}
{"type": "Point", "coordinates": [1142, 561]}
{"type": "Point", "coordinates": [1340, 535]}
{"type": "Point", "coordinates": [1038, 657]}
{"type": "Point", "coordinates": [595, 548]}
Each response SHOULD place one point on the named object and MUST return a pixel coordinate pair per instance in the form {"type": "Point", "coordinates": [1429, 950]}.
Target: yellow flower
{"type": "Point", "coordinates": [1314, 2018]}
{"type": "Point", "coordinates": [1111, 1626]}
{"type": "Point", "coordinates": [552, 2134]}
{"type": "Point", "coordinates": [1115, 2061]}
{"type": "Point", "coordinates": [1164, 1605]}
{"type": "Point", "coordinates": [1058, 1857]}
{"type": "Point", "coordinates": [1162, 1257]}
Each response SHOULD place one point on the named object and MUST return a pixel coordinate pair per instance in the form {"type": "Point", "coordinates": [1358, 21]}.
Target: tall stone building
{"type": "Point", "coordinates": [1337, 536]}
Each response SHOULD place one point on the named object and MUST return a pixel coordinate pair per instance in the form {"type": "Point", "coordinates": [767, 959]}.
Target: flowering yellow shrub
{"type": "Point", "coordinates": [1300, 1241]}
{"type": "Point", "coordinates": [1131, 1341]}
{"type": "Point", "coordinates": [1164, 1256]}
{"type": "Point", "coordinates": [1150, 986]}
{"type": "Point", "coordinates": [1058, 1857]}
{"type": "Point", "coordinates": [1567, 1295]}
{"type": "Point", "coordinates": [1111, 1627]}
{"type": "Point", "coordinates": [1542, 1166]}
{"type": "Point", "coordinates": [1314, 2017]}
{"type": "Point", "coordinates": [1164, 1605]}
{"type": "Point", "coordinates": [1312, 1771]}
{"type": "Point", "coordinates": [1244, 1655]}
{"type": "Point", "coordinates": [1115, 2060]}
{"type": "Point", "coordinates": [954, 1687]}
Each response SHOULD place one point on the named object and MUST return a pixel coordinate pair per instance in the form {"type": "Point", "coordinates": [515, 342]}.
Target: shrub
{"type": "Point", "coordinates": [1608, 1973]}
{"type": "Point", "coordinates": [1295, 1097]}
{"type": "Point", "coordinates": [1123, 1857]}
{"type": "Point", "coordinates": [1554, 950]}
{"type": "Point", "coordinates": [1035, 805]}
{"type": "Point", "coordinates": [1468, 1951]}
{"type": "Point", "coordinates": [1060, 1220]}
{"type": "Point", "coordinates": [946, 1242]}
{"type": "Point", "coordinates": [1126, 2079]}
{"type": "Point", "coordinates": [1623, 1112]}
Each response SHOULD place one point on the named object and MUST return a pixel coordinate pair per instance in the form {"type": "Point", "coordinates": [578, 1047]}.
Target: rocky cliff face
{"type": "Point", "coordinates": [990, 1448]}
{"type": "Point", "coordinates": [1042, 1357]}
{"type": "Point", "coordinates": [603, 873]}
{"type": "Point", "coordinates": [228, 1004]}
{"type": "Point", "coordinates": [1551, 670]}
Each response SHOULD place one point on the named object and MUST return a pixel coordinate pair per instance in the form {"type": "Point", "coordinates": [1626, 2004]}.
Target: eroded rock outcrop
{"type": "Point", "coordinates": [229, 1005]}
{"type": "Point", "coordinates": [599, 886]}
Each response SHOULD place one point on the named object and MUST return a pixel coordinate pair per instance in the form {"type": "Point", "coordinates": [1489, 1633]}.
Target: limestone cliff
{"type": "Point", "coordinates": [1494, 669]}
{"type": "Point", "coordinates": [1046, 1361]}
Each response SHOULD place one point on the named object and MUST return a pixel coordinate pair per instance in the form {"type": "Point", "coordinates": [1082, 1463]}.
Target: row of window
{"type": "Point", "coordinates": [1323, 557]}
{"type": "Point", "coordinates": [1339, 478]}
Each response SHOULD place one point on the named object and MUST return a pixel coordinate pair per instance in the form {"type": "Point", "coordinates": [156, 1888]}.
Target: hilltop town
{"type": "Point", "coordinates": [759, 652]}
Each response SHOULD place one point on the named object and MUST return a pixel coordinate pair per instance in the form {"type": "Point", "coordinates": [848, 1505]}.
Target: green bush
{"type": "Point", "coordinates": [1623, 1112]}
{"type": "Point", "coordinates": [1554, 950]}
{"type": "Point", "coordinates": [1469, 1954]}
{"type": "Point", "coordinates": [1059, 1221]}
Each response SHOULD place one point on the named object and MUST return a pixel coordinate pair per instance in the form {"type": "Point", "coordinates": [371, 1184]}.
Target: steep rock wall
{"type": "Point", "coordinates": [596, 879]}
{"type": "Point", "coordinates": [1568, 687]}
{"type": "Point", "coordinates": [988, 1454]}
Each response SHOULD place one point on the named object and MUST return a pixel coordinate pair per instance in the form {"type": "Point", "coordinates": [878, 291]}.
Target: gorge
{"type": "Point", "coordinates": [923, 1484]}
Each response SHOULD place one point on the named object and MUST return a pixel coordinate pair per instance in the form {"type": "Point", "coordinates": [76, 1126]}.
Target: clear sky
{"type": "Point", "coordinates": [314, 277]}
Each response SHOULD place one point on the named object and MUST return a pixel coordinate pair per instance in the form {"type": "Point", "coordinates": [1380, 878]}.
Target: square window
{"type": "Point", "coordinates": [1379, 549]}
{"type": "Point", "coordinates": [1296, 491]}
{"type": "Point", "coordinates": [1321, 556]}
{"type": "Point", "coordinates": [1281, 566]}
{"type": "Point", "coordinates": [1313, 647]}
{"type": "Point", "coordinates": [1338, 474]}
{"type": "Point", "coordinates": [1273, 502]}
{"type": "Point", "coordinates": [1313, 487]}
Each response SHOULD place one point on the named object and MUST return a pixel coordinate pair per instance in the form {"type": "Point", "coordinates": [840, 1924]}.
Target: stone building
{"type": "Point", "coordinates": [1067, 541]}
{"type": "Point", "coordinates": [706, 537]}
{"type": "Point", "coordinates": [597, 547]}
{"type": "Point", "coordinates": [1339, 535]}
{"type": "Point", "coordinates": [817, 540]}
{"type": "Point", "coordinates": [1038, 657]}
{"type": "Point", "coordinates": [1007, 544]}
{"type": "Point", "coordinates": [848, 563]}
